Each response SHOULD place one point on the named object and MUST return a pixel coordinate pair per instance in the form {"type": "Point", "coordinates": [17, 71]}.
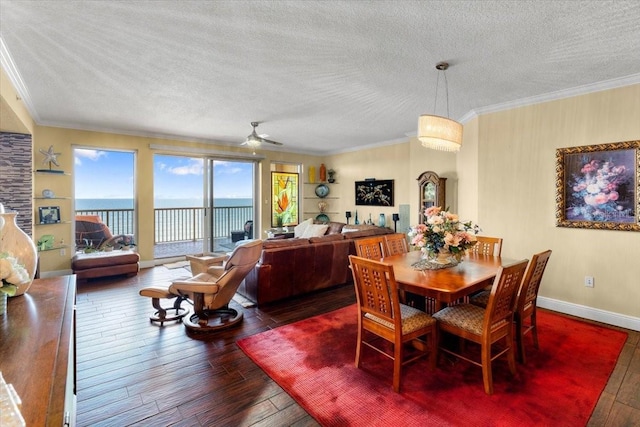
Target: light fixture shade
{"type": "Point", "coordinates": [253, 141]}
{"type": "Point", "coordinates": [439, 133]}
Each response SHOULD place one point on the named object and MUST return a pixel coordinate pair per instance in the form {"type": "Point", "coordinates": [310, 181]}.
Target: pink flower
{"type": "Point", "coordinates": [619, 170]}
{"type": "Point", "coordinates": [613, 196]}
{"type": "Point", "coordinates": [589, 167]}
{"type": "Point", "coordinates": [601, 198]}
{"type": "Point", "coordinates": [433, 210]}
{"type": "Point", "coordinates": [452, 239]}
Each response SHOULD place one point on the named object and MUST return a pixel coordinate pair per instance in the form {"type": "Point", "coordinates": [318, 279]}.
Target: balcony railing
{"type": "Point", "coordinates": [177, 224]}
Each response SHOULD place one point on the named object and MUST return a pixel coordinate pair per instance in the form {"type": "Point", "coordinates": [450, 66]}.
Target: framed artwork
{"type": "Point", "coordinates": [49, 214]}
{"type": "Point", "coordinates": [374, 192]}
{"type": "Point", "coordinates": [284, 199]}
{"type": "Point", "coordinates": [597, 186]}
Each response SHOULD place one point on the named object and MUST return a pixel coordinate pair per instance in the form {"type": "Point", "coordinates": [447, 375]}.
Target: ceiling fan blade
{"type": "Point", "coordinates": [268, 141]}
{"type": "Point", "coordinates": [254, 140]}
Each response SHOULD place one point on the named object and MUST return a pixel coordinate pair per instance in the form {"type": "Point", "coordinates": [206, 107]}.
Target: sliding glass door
{"type": "Point", "coordinates": [232, 204]}
{"type": "Point", "coordinates": [201, 204]}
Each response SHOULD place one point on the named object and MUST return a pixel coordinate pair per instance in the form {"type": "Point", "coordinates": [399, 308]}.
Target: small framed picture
{"type": "Point", "coordinates": [49, 214]}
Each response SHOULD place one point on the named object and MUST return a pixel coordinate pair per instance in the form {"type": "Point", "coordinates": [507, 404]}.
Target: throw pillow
{"type": "Point", "coordinates": [315, 230]}
{"type": "Point", "coordinates": [299, 229]}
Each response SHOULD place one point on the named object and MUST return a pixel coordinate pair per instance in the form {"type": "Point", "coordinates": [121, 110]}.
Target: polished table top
{"type": "Point", "coordinates": [446, 284]}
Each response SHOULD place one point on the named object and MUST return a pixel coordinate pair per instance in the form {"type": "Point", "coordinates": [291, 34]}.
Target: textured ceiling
{"type": "Point", "coordinates": [321, 76]}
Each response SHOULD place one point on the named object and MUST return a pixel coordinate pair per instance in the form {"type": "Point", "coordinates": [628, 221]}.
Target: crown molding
{"type": "Point", "coordinates": [14, 77]}
{"type": "Point", "coordinates": [554, 96]}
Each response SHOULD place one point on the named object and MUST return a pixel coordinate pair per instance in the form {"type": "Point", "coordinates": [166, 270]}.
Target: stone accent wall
{"type": "Point", "coordinates": [16, 177]}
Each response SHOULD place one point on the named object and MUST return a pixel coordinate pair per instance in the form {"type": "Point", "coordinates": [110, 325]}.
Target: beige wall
{"type": "Point", "coordinates": [64, 140]}
{"type": "Point", "coordinates": [403, 162]}
{"type": "Point", "coordinates": [14, 116]}
{"type": "Point", "coordinates": [503, 178]}
{"type": "Point", "coordinates": [516, 195]}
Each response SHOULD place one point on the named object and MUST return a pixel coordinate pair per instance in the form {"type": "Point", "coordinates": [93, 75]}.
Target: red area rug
{"type": "Point", "coordinates": [313, 361]}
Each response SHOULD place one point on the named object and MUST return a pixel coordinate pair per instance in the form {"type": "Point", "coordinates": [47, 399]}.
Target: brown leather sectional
{"type": "Point", "coordinates": [292, 267]}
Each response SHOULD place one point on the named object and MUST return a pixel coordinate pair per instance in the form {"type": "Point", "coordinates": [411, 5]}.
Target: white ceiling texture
{"type": "Point", "coordinates": [321, 76]}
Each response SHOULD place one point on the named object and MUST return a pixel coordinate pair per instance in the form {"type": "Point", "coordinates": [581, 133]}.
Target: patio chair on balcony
{"type": "Point", "coordinates": [246, 233]}
{"type": "Point", "coordinates": [91, 232]}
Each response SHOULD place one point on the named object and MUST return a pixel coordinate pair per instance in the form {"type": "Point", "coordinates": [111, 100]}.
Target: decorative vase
{"type": "Point", "coordinates": [3, 303]}
{"type": "Point", "coordinates": [382, 221]}
{"type": "Point", "coordinates": [312, 174]}
{"type": "Point", "coordinates": [19, 245]}
{"type": "Point", "coordinates": [323, 172]}
{"type": "Point", "coordinates": [443, 258]}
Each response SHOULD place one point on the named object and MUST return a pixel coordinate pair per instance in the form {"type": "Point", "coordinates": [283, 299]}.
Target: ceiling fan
{"type": "Point", "coordinates": [254, 140]}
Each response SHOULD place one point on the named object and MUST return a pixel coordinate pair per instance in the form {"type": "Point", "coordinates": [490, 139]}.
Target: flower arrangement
{"type": "Point", "coordinates": [12, 274]}
{"type": "Point", "coordinates": [596, 191]}
{"type": "Point", "coordinates": [442, 232]}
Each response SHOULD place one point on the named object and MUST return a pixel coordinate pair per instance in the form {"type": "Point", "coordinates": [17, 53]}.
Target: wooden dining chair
{"type": "Point", "coordinates": [381, 314]}
{"type": "Point", "coordinates": [370, 247]}
{"type": "Point", "coordinates": [526, 301]}
{"type": "Point", "coordinates": [486, 326]}
{"type": "Point", "coordinates": [395, 244]}
{"type": "Point", "coordinates": [487, 246]}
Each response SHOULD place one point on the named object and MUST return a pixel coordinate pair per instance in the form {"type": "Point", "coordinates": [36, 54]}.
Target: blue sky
{"type": "Point", "coordinates": [110, 175]}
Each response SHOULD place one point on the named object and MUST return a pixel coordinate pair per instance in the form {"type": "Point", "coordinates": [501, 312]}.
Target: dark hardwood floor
{"type": "Point", "coordinates": [130, 372]}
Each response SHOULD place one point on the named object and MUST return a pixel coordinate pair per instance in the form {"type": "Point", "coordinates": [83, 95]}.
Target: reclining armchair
{"type": "Point", "coordinates": [91, 232]}
{"type": "Point", "coordinates": [210, 292]}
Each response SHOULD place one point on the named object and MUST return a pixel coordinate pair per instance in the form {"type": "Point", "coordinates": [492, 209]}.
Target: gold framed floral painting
{"type": "Point", "coordinates": [597, 186]}
{"type": "Point", "coordinates": [284, 199]}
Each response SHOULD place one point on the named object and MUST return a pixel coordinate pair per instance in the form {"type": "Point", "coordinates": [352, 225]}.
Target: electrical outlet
{"type": "Point", "coordinates": [588, 281]}
{"type": "Point", "coordinates": [63, 252]}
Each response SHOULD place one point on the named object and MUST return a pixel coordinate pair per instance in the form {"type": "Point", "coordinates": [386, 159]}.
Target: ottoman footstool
{"type": "Point", "coordinates": [164, 314]}
{"type": "Point", "coordinates": [103, 264]}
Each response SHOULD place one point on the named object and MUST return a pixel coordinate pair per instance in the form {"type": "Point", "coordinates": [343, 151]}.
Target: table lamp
{"type": "Point", "coordinates": [348, 215]}
{"type": "Point", "coordinates": [396, 218]}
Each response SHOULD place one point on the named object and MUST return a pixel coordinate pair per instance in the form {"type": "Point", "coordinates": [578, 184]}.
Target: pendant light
{"type": "Point", "coordinates": [437, 132]}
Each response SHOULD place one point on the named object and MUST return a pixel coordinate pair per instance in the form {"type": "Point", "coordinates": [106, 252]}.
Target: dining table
{"type": "Point", "coordinates": [445, 285]}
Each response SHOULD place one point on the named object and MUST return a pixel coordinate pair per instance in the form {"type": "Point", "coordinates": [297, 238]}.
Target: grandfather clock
{"type": "Point", "coordinates": [432, 191]}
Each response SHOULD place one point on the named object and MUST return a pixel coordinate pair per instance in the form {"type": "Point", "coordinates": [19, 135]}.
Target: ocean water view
{"type": "Point", "coordinates": [87, 204]}
{"type": "Point", "coordinates": [175, 219]}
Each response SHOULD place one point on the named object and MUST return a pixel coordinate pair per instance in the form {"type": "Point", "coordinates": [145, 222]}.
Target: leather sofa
{"type": "Point", "coordinates": [297, 266]}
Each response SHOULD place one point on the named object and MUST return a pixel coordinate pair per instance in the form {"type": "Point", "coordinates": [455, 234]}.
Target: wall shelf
{"type": "Point", "coordinates": [53, 248]}
{"type": "Point", "coordinates": [53, 223]}
{"type": "Point", "coordinates": [52, 198]}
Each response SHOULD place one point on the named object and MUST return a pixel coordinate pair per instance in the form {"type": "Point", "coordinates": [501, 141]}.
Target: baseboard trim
{"type": "Point", "coordinates": [608, 317]}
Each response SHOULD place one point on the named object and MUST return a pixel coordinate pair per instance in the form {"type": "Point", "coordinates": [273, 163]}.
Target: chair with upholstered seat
{"type": "Point", "coordinates": [91, 232]}
{"type": "Point", "coordinates": [395, 244]}
{"type": "Point", "coordinates": [381, 314]}
{"type": "Point", "coordinates": [211, 292]}
{"type": "Point", "coordinates": [487, 246]}
{"type": "Point", "coordinates": [526, 301]}
{"type": "Point", "coordinates": [370, 247]}
{"type": "Point", "coordinates": [486, 326]}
